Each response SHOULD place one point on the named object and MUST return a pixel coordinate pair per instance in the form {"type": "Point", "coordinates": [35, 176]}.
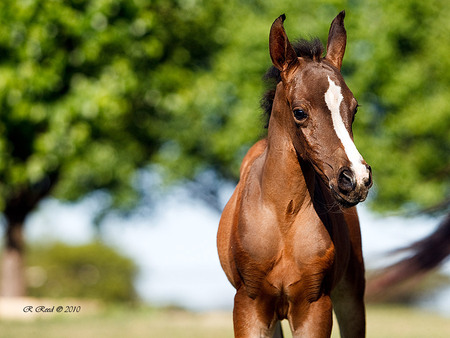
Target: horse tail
{"type": "Point", "coordinates": [428, 253]}
{"type": "Point", "coordinates": [278, 330]}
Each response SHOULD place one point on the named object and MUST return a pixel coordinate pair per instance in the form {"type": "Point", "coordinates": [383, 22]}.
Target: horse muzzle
{"type": "Point", "coordinates": [350, 188]}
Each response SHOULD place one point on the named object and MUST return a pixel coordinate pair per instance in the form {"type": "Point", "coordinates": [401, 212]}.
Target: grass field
{"type": "Point", "coordinates": [383, 321]}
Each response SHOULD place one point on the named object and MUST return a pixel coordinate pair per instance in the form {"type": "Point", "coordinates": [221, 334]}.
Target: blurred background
{"type": "Point", "coordinates": [123, 124]}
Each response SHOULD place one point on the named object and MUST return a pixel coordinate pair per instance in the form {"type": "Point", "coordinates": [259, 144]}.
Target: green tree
{"type": "Point", "coordinates": [399, 66]}
{"type": "Point", "coordinates": [84, 91]}
{"type": "Point", "coordinates": [87, 271]}
{"type": "Point", "coordinates": [396, 63]}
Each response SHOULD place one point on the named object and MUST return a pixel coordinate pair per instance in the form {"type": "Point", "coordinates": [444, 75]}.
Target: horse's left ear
{"type": "Point", "coordinates": [337, 39]}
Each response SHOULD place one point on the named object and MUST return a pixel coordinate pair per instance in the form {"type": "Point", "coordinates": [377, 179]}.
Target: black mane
{"type": "Point", "coordinates": [310, 49]}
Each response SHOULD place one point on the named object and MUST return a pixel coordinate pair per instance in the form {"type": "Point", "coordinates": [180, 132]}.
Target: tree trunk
{"type": "Point", "coordinates": [18, 206]}
{"type": "Point", "coordinates": [12, 273]}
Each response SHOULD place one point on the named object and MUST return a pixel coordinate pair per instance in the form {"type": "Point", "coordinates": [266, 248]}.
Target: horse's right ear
{"type": "Point", "coordinates": [281, 51]}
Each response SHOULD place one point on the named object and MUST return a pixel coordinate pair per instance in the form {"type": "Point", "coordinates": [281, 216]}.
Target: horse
{"type": "Point", "coordinates": [289, 238]}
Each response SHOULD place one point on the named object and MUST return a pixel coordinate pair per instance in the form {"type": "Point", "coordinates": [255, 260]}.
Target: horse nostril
{"type": "Point", "coordinates": [346, 181]}
{"type": "Point", "coordinates": [368, 181]}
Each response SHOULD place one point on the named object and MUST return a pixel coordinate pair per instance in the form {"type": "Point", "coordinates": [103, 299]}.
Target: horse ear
{"type": "Point", "coordinates": [337, 39]}
{"type": "Point", "coordinates": [281, 51]}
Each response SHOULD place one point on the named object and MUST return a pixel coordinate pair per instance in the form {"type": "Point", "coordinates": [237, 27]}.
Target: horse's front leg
{"type": "Point", "coordinates": [311, 319]}
{"type": "Point", "coordinates": [348, 303]}
{"type": "Point", "coordinates": [348, 295]}
{"type": "Point", "coordinates": [253, 317]}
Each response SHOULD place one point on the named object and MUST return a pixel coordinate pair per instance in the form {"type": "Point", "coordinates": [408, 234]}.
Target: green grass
{"type": "Point", "coordinates": [383, 321]}
{"type": "Point", "coordinates": [390, 321]}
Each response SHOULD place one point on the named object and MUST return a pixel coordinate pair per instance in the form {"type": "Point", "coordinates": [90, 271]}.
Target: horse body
{"type": "Point", "coordinates": [284, 243]}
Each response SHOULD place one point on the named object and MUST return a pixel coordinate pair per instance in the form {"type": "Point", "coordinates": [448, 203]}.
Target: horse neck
{"type": "Point", "coordinates": [287, 181]}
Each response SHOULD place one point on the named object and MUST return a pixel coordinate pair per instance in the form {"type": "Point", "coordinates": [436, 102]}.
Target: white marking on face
{"type": "Point", "coordinates": [333, 99]}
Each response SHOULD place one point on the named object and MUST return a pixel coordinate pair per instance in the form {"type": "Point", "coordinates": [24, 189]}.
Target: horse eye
{"type": "Point", "coordinates": [300, 114]}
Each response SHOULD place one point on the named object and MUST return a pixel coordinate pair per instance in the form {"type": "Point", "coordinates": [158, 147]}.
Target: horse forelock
{"type": "Point", "coordinates": [310, 49]}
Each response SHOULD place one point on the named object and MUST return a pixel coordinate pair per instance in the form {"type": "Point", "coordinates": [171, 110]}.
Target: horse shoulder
{"type": "Point", "coordinates": [256, 221]}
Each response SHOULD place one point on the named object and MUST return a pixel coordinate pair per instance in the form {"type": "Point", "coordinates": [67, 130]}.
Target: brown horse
{"type": "Point", "coordinates": [289, 238]}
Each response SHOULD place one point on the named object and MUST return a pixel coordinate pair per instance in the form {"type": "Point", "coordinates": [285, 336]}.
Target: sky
{"type": "Point", "coordinates": [175, 246]}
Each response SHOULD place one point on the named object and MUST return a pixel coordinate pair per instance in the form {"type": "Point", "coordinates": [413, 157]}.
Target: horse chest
{"type": "Point", "coordinates": [264, 234]}
{"type": "Point", "coordinates": [259, 235]}
{"type": "Point", "coordinates": [282, 254]}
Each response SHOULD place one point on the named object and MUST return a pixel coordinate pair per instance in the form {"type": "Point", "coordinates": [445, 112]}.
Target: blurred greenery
{"type": "Point", "coordinates": [85, 87]}
{"type": "Point", "coordinates": [396, 63]}
{"type": "Point", "coordinates": [399, 67]}
{"type": "Point", "coordinates": [92, 92]}
{"type": "Point", "coordinates": [88, 271]}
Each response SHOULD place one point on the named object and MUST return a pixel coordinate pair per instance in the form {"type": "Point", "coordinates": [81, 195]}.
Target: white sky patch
{"type": "Point", "coordinates": [333, 99]}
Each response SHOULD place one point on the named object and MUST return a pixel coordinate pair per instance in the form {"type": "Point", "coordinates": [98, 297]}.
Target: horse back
{"type": "Point", "coordinates": [253, 153]}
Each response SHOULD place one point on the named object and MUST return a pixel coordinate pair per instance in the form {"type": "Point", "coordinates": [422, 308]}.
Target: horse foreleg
{"type": "Point", "coordinates": [348, 295]}
{"type": "Point", "coordinates": [253, 317]}
{"type": "Point", "coordinates": [348, 304]}
{"type": "Point", "coordinates": [311, 319]}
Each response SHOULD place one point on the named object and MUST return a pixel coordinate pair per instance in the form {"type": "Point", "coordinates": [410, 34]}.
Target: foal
{"type": "Point", "coordinates": [289, 238]}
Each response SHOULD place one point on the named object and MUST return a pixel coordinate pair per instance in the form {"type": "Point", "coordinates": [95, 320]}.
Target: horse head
{"type": "Point", "coordinates": [318, 110]}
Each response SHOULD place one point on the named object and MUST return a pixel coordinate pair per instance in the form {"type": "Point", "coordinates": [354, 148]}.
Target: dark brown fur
{"type": "Point", "coordinates": [285, 241]}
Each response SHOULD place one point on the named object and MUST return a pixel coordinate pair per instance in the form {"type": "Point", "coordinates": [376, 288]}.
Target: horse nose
{"type": "Point", "coordinates": [346, 180]}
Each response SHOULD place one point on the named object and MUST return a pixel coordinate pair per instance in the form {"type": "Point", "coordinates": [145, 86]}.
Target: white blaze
{"type": "Point", "coordinates": [333, 99]}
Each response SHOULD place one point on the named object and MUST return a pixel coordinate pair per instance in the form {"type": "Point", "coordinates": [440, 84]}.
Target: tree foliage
{"type": "Point", "coordinates": [399, 61]}
{"type": "Point", "coordinates": [92, 90]}
{"type": "Point", "coordinates": [396, 63]}
{"type": "Point", "coordinates": [84, 90]}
